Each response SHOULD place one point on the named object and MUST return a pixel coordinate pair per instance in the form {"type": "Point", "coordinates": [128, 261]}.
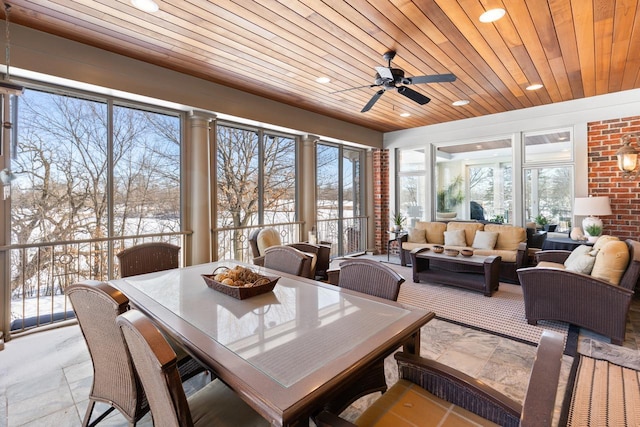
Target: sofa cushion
{"type": "Point", "coordinates": [549, 264]}
{"type": "Point", "coordinates": [603, 240]}
{"type": "Point", "coordinates": [485, 239]}
{"type": "Point", "coordinates": [266, 238]}
{"type": "Point", "coordinates": [434, 231]}
{"type": "Point", "coordinates": [509, 236]}
{"type": "Point", "coordinates": [417, 235]}
{"type": "Point", "coordinates": [469, 228]}
{"type": "Point", "coordinates": [580, 260]}
{"type": "Point", "coordinates": [454, 238]}
{"type": "Point", "coordinates": [507, 256]}
{"type": "Point", "coordinates": [611, 262]}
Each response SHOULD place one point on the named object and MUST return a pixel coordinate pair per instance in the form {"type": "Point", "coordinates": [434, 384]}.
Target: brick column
{"type": "Point", "coordinates": [381, 198]}
{"type": "Point", "coordinates": [605, 179]}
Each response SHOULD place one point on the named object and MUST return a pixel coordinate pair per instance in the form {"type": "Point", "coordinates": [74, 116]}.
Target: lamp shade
{"type": "Point", "coordinates": [593, 206]}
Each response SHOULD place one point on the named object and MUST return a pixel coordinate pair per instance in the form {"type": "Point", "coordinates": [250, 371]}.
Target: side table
{"type": "Point", "coordinates": [562, 243]}
{"type": "Point", "coordinates": [393, 237]}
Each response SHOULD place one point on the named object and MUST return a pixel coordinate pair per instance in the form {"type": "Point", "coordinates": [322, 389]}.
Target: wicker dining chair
{"type": "Point", "coordinates": [370, 277]}
{"type": "Point", "coordinates": [289, 260]}
{"type": "Point", "coordinates": [97, 304]}
{"type": "Point", "coordinates": [148, 258]}
{"type": "Point", "coordinates": [155, 363]}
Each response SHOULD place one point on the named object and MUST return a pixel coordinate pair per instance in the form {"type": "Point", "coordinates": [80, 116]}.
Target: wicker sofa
{"type": "Point", "coordinates": [510, 245]}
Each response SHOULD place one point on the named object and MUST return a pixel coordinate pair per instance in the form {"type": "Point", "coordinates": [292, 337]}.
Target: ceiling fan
{"type": "Point", "coordinates": [389, 78]}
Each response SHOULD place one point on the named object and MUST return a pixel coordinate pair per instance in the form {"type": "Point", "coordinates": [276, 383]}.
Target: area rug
{"type": "Point", "coordinates": [502, 314]}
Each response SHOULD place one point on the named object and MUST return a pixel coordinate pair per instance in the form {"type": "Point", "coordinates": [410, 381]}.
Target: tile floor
{"type": "Point", "coordinates": [45, 377]}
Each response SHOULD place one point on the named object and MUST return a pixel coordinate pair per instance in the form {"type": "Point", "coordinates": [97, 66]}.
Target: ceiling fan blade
{"type": "Point", "coordinates": [372, 101]}
{"type": "Point", "coordinates": [385, 72]}
{"type": "Point", "coordinates": [434, 78]}
{"type": "Point", "coordinates": [413, 95]}
{"type": "Point", "coordinates": [352, 88]}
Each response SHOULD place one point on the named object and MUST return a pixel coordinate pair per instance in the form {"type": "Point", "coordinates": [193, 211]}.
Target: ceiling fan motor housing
{"type": "Point", "coordinates": [398, 78]}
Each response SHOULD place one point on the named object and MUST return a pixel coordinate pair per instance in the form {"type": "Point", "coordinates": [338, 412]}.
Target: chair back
{"type": "Point", "coordinates": [156, 365]}
{"type": "Point", "coordinates": [288, 260]}
{"type": "Point", "coordinates": [97, 305]}
{"type": "Point", "coordinates": [370, 277]}
{"type": "Point", "coordinates": [148, 258]}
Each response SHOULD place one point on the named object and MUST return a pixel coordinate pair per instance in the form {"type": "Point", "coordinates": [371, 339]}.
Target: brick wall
{"type": "Point", "coordinates": [381, 198]}
{"type": "Point", "coordinates": [606, 180]}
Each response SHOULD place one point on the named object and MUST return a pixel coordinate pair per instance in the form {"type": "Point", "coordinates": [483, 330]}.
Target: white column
{"type": "Point", "coordinates": [308, 207]}
{"type": "Point", "coordinates": [369, 202]}
{"type": "Point", "coordinates": [196, 188]}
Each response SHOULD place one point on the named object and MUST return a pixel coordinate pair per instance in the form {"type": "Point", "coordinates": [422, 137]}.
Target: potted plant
{"type": "Point", "coordinates": [541, 221]}
{"type": "Point", "coordinates": [398, 220]}
{"type": "Point", "coordinates": [449, 197]}
{"type": "Point", "coordinates": [593, 231]}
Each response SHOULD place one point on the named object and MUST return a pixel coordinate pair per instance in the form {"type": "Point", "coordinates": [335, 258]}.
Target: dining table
{"type": "Point", "coordinates": [287, 352]}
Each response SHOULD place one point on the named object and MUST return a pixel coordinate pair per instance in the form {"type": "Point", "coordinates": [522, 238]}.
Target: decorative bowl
{"type": "Point", "coordinates": [438, 249]}
{"type": "Point", "coordinates": [240, 289]}
{"type": "Point", "coordinates": [451, 252]}
{"type": "Point", "coordinates": [466, 252]}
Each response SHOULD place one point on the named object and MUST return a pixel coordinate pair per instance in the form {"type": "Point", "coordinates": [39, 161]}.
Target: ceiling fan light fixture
{"type": "Point", "coordinates": [323, 80]}
{"type": "Point", "coordinates": [492, 15]}
{"type": "Point", "coordinates": [535, 86]}
{"type": "Point", "coordinates": [148, 6]}
{"type": "Point", "coordinates": [460, 102]}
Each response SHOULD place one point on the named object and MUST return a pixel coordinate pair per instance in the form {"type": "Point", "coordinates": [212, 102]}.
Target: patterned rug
{"type": "Point", "coordinates": [502, 314]}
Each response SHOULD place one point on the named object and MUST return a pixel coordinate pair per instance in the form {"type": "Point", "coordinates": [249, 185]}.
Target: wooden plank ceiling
{"type": "Point", "coordinates": [277, 49]}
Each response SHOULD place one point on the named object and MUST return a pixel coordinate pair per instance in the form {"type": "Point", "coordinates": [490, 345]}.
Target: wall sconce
{"type": "Point", "coordinates": [628, 157]}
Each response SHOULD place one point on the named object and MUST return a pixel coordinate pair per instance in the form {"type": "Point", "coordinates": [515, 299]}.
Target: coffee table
{"type": "Point", "coordinates": [476, 272]}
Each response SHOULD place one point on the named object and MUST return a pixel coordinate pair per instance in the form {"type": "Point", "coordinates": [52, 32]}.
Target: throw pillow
{"type": "Point", "coordinates": [268, 237]}
{"type": "Point", "coordinates": [454, 238]}
{"type": "Point", "coordinates": [611, 262]}
{"type": "Point", "coordinates": [603, 240]}
{"type": "Point", "coordinates": [417, 235]}
{"type": "Point", "coordinates": [580, 260]}
{"type": "Point", "coordinates": [485, 240]}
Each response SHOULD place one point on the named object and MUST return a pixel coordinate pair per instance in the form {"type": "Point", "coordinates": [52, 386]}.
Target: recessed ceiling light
{"type": "Point", "coordinates": [323, 79]}
{"type": "Point", "coordinates": [149, 6]}
{"type": "Point", "coordinates": [535, 86]}
{"type": "Point", "coordinates": [405, 114]}
{"type": "Point", "coordinates": [460, 102]}
{"type": "Point", "coordinates": [492, 15]}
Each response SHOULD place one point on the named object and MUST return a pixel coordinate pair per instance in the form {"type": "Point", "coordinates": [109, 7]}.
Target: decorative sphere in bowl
{"type": "Point", "coordinates": [438, 249]}
{"type": "Point", "coordinates": [466, 252]}
{"type": "Point", "coordinates": [451, 252]}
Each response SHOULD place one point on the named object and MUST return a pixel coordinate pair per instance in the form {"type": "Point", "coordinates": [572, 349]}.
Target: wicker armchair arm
{"type": "Point", "coordinates": [559, 256]}
{"type": "Point", "coordinates": [554, 277]}
{"type": "Point", "coordinates": [459, 388]}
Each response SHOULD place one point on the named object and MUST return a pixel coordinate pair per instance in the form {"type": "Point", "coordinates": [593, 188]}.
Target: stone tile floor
{"type": "Point", "coordinates": [45, 377]}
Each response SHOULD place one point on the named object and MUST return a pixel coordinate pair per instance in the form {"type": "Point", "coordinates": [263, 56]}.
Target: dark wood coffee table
{"type": "Point", "coordinates": [476, 272]}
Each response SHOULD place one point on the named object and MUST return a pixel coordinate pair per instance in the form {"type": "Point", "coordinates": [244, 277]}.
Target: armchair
{"type": "Point", "coordinates": [445, 396]}
{"type": "Point", "coordinates": [261, 239]}
{"type": "Point", "coordinates": [580, 299]}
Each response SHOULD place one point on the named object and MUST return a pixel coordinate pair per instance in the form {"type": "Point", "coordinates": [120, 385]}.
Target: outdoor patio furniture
{"type": "Point", "coordinates": [370, 277]}
{"type": "Point", "coordinates": [263, 238]}
{"type": "Point", "coordinates": [429, 392]}
{"type": "Point", "coordinates": [554, 293]}
{"type": "Point", "coordinates": [155, 361]}
{"type": "Point", "coordinates": [97, 304]}
{"type": "Point", "coordinates": [289, 260]}
{"type": "Point", "coordinates": [148, 258]}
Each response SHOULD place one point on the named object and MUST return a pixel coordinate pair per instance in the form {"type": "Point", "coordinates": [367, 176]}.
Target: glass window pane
{"type": "Point", "coordinates": [146, 172]}
{"type": "Point", "coordinates": [474, 181]}
{"type": "Point", "coordinates": [238, 177]}
{"type": "Point", "coordinates": [549, 193]}
{"type": "Point", "coordinates": [411, 160]}
{"type": "Point", "coordinates": [350, 183]}
{"type": "Point", "coordinates": [412, 195]}
{"type": "Point", "coordinates": [279, 179]}
{"type": "Point", "coordinates": [328, 181]}
{"type": "Point", "coordinates": [548, 147]}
